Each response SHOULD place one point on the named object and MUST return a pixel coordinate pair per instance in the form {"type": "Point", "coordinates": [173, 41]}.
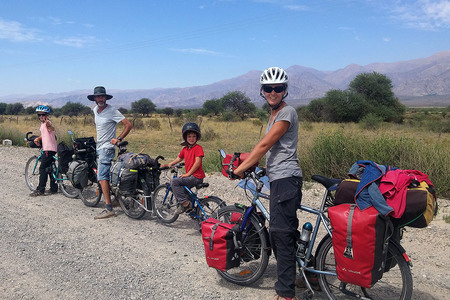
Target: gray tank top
{"type": "Point", "coordinates": [281, 159]}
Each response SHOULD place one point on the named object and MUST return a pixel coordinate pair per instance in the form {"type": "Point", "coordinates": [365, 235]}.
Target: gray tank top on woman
{"type": "Point", "coordinates": [281, 159]}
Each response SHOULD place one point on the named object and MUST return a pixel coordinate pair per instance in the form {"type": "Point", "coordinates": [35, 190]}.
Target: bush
{"type": "Point", "coordinates": [138, 123]}
{"type": "Point", "coordinates": [332, 155]}
{"type": "Point", "coordinates": [208, 134]}
{"type": "Point", "coordinates": [371, 121]}
{"type": "Point", "coordinates": [154, 124]}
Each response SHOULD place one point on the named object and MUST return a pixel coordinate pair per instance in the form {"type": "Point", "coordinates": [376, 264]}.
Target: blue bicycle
{"type": "Point", "coordinates": [165, 204]}
{"type": "Point", "coordinates": [32, 172]}
{"type": "Point", "coordinates": [256, 249]}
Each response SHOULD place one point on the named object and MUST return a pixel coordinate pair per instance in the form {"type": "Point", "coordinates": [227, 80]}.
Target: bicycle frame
{"type": "Point", "coordinates": [321, 219]}
{"type": "Point", "coordinates": [195, 200]}
{"type": "Point", "coordinates": [54, 172]}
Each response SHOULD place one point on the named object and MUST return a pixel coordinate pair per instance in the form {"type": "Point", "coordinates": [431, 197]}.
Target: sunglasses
{"type": "Point", "coordinates": [277, 89]}
{"type": "Point", "coordinates": [41, 115]}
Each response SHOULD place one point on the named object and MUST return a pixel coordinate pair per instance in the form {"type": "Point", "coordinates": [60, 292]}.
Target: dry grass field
{"type": "Point", "coordinates": [159, 135]}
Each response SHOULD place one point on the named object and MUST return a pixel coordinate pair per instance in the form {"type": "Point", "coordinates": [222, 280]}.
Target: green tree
{"type": "Point", "coordinates": [3, 108]}
{"type": "Point", "coordinates": [213, 106]}
{"type": "Point", "coordinates": [344, 106]}
{"type": "Point", "coordinates": [317, 107]}
{"type": "Point", "coordinates": [29, 110]}
{"type": "Point", "coordinates": [377, 90]}
{"type": "Point", "coordinates": [14, 109]}
{"type": "Point", "coordinates": [240, 104]}
{"type": "Point", "coordinates": [168, 111]}
{"type": "Point", "coordinates": [123, 110]}
{"type": "Point", "coordinates": [74, 109]}
{"type": "Point", "coordinates": [144, 106]}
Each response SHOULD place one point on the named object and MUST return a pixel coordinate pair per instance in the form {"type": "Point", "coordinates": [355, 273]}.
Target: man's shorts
{"type": "Point", "coordinates": [105, 156]}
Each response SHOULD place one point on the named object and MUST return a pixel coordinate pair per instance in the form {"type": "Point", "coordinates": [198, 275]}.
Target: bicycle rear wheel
{"type": "Point", "coordinates": [165, 204]}
{"type": "Point", "coordinates": [92, 193]}
{"type": "Point", "coordinates": [255, 251]}
{"type": "Point", "coordinates": [66, 187]}
{"type": "Point", "coordinates": [395, 283]}
{"type": "Point", "coordinates": [32, 172]}
{"type": "Point", "coordinates": [133, 205]}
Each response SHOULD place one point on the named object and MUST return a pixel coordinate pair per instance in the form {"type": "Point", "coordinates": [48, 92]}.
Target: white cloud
{"type": "Point", "coordinates": [78, 42]}
{"type": "Point", "coordinates": [386, 39]}
{"type": "Point", "coordinates": [15, 31]}
{"type": "Point", "coordinates": [423, 14]}
{"type": "Point", "coordinates": [197, 51]}
{"type": "Point", "coordinates": [297, 7]}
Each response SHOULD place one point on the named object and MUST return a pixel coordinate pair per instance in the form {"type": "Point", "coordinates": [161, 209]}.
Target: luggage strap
{"type": "Point", "coordinates": [237, 244]}
{"type": "Point", "coordinates": [349, 248]}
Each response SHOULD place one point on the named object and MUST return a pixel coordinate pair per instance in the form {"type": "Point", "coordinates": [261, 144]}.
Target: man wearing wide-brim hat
{"type": "Point", "coordinates": [106, 119]}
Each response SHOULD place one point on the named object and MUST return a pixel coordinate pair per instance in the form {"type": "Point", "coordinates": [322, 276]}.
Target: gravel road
{"type": "Point", "coordinates": [52, 248]}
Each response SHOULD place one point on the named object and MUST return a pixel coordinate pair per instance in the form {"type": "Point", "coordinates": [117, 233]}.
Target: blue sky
{"type": "Point", "coordinates": [61, 46]}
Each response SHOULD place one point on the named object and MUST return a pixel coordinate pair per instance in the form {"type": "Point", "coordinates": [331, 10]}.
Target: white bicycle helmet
{"type": "Point", "coordinates": [43, 108]}
{"type": "Point", "coordinates": [274, 75]}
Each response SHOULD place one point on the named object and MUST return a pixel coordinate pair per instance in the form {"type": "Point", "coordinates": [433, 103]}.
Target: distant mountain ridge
{"type": "Point", "coordinates": [418, 82]}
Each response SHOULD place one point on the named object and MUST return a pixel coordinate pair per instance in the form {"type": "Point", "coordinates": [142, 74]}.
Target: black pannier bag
{"type": "Point", "coordinates": [89, 144]}
{"type": "Point", "coordinates": [152, 178]}
{"type": "Point", "coordinates": [64, 157]}
{"type": "Point", "coordinates": [78, 173]}
{"type": "Point", "coordinates": [124, 173]}
{"type": "Point", "coordinates": [124, 177]}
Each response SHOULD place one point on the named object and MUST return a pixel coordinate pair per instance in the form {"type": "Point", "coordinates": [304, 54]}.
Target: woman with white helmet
{"type": "Point", "coordinates": [285, 176]}
{"type": "Point", "coordinates": [47, 140]}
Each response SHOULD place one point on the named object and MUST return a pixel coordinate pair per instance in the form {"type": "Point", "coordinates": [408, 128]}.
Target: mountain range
{"type": "Point", "coordinates": [418, 82]}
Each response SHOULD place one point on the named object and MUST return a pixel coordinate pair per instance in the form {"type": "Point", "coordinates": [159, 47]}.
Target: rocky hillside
{"type": "Point", "coordinates": [423, 81]}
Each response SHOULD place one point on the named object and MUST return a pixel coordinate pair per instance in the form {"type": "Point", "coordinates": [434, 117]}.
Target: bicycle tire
{"type": "Point", "coordinates": [211, 206]}
{"type": "Point", "coordinates": [132, 205]}
{"type": "Point", "coordinates": [165, 204]}
{"type": "Point", "coordinates": [66, 187]}
{"type": "Point", "coordinates": [256, 250]}
{"type": "Point", "coordinates": [32, 172]}
{"type": "Point", "coordinates": [92, 193]}
{"type": "Point", "coordinates": [395, 283]}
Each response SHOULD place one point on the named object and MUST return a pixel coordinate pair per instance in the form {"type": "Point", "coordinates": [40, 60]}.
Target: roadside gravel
{"type": "Point", "coordinates": [52, 248]}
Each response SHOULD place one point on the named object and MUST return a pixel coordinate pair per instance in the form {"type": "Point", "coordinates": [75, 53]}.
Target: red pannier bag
{"type": "Point", "coordinates": [360, 243]}
{"type": "Point", "coordinates": [236, 163]}
{"type": "Point", "coordinates": [222, 244]}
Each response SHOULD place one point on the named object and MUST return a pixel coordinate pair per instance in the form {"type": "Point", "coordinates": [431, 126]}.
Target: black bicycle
{"type": "Point", "coordinates": [84, 149]}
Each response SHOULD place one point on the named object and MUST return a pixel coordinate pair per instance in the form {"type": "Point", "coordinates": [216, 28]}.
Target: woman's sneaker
{"type": "Point", "coordinates": [36, 194]}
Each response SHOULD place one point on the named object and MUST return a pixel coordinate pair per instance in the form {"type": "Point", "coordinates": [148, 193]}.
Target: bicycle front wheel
{"type": "Point", "coordinates": [255, 247]}
{"type": "Point", "coordinates": [165, 204]}
{"type": "Point", "coordinates": [396, 283]}
{"type": "Point", "coordinates": [32, 172]}
{"type": "Point", "coordinates": [66, 187]}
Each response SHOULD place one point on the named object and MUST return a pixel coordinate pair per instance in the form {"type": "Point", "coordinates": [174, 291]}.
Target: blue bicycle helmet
{"type": "Point", "coordinates": [43, 108]}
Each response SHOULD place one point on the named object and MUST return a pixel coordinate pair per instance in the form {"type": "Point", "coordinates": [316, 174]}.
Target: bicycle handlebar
{"type": "Point", "coordinates": [27, 136]}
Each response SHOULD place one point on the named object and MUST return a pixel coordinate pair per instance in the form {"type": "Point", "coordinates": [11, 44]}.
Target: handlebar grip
{"type": "Point", "coordinates": [27, 135]}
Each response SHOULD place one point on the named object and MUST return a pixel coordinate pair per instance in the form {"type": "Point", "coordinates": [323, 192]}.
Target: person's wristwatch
{"type": "Point", "coordinates": [119, 138]}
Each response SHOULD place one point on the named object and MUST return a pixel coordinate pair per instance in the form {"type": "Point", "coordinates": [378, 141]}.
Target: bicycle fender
{"type": "Point", "coordinates": [402, 250]}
